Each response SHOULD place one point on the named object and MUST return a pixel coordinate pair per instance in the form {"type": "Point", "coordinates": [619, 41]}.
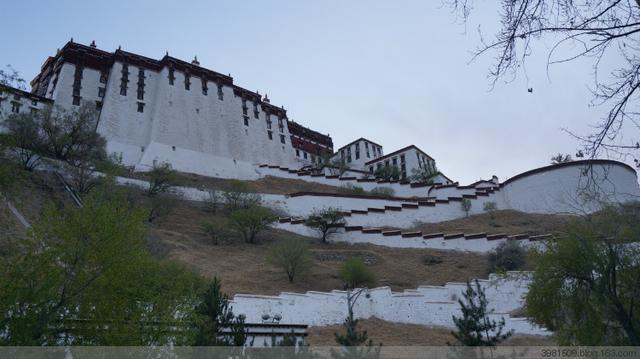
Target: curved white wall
{"type": "Point", "coordinates": [574, 187]}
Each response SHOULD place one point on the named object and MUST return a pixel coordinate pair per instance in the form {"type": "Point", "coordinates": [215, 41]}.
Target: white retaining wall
{"type": "Point", "coordinates": [426, 305]}
{"type": "Point", "coordinates": [478, 245]}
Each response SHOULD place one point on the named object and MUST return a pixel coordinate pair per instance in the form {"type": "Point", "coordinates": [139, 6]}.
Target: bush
{"type": "Point", "coordinates": [161, 178]}
{"type": "Point", "coordinates": [215, 232]}
{"type": "Point", "coordinates": [212, 201]}
{"type": "Point", "coordinates": [490, 207]}
{"type": "Point", "coordinates": [509, 255]}
{"type": "Point", "coordinates": [251, 221]}
{"type": "Point", "coordinates": [351, 189]}
{"type": "Point", "coordinates": [383, 192]}
{"type": "Point", "coordinates": [237, 196]}
{"type": "Point", "coordinates": [292, 256]}
{"type": "Point", "coordinates": [354, 273]}
{"type": "Point", "coordinates": [387, 173]}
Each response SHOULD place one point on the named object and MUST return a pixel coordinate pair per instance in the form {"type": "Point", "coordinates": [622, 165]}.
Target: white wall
{"type": "Point", "coordinates": [426, 305]}
{"type": "Point", "coordinates": [570, 188]}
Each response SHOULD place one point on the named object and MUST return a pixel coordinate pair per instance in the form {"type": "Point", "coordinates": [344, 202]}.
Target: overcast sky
{"type": "Point", "coordinates": [395, 72]}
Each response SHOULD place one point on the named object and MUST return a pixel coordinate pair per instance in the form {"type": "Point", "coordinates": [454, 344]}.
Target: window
{"type": "Point", "coordinates": [141, 78]}
{"type": "Point", "coordinates": [280, 124]}
{"type": "Point", "coordinates": [371, 169]}
{"type": "Point", "coordinates": [173, 148]}
{"type": "Point", "coordinates": [282, 139]}
{"type": "Point", "coordinates": [98, 105]}
{"type": "Point", "coordinates": [379, 165]}
{"type": "Point", "coordinates": [172, 76]}
{"type": "Point", "coordinates": [268, 116]}
{"type": "Point", "coordinates": [386, 163]}
{"type": "Point", "coordinates": [395, 162]}
{"type": "Point", "coordinates": [245, 109]}
{"type": "Point", "coordinates": [34, 102]}
{"type": "Point", "coordinates": [220, 93]}
{"type": "Point", "coordinates": [205, 89]}
{"type": "Point", "coordinates": [140, 107]}
{"type": "Point", "coordinates": [305, 155]}
{"type": "Point", "coordinates": [270, 135]}
{"type": "Point", "coordinates": [256, 113]}
{"type": "Point", "coordinates": [187, 81]}
{"type": "Point", "coordinates": [357, 151]}
{"type": "Point", "coordinates": [15, 106]}
{"type": "Point", "coordinates": [402, 159]}
{"type": "Point", "coordinates": [348, 158]}
{"type": "Point", "coordinates": [76, 100]}
{"type": "Point", "coordinates": [124, 79]}
{"type": "Point", "coordinates": [103, 77]}
{"type": "Point", "coordinates": [297, 152]}
{"type": "Point", "coordinates": [246, 120]}
{"type": "Point", "coordinates": [101, 91]}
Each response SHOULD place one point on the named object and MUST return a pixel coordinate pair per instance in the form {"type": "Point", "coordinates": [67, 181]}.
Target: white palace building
{"type": "Point", "coordinates": [198, 120]}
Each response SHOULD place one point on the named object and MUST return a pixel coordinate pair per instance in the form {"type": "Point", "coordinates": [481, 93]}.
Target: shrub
{"type": "Point", "coordinates": [387, 173]}
{"type": "Point", "coordinates": [509, 255]}
{"type": "Point", "coordinates": [426, 174]}
{"type": "Point", "coordinates": [292, 256]}
{"type": "Point", "coordinates": [354, 273]}
{"type": "Point", "coordinates": [466, 206]}
{"type": "Point", "coordinates": [351, 189]}
{"type": "Point", "coordinates": [383, 192]}
{"type": "Point", "coordinates": [251, 221]}
{"type": "Point", "coordinates": [326, 221]}
{"type": "Point", "coordinates": [212, 201]}
{"type": "Point", "coordinates": [214, 231]}
{"type": "Point", "coordinates": [490, 207]}
{"type": "Point", "coordinates": [237, 196]}
{"type": "Point", "coordinates": [161, 178]}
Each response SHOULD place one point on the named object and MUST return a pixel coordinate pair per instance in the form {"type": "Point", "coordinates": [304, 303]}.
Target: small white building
{"type": "Point", "coordinates": [357, 153]}
{"type": "Point", "coordinates": [16, 101]}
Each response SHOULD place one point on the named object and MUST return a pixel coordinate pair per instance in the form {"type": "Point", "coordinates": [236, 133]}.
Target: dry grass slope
{"type": "Point", "coordinates": [244, 268]}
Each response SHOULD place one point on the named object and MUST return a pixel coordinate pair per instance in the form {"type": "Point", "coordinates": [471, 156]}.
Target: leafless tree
{"type": "Point", "coordinates": [600, 29]}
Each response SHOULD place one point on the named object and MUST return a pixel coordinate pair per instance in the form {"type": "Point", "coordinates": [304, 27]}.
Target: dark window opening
{"type": "Point", "coordinates": [140, 107]}
{"type": "Point", "coordinates": [103, 77]}
{"type": "Point", "coordinates": [246, 120]}
{"type": "Point", "coordinates": [297, 153]}
{"type": "Point", "coordinates": [220, 93]}
{"type": "Point", "coordinates": [98, 105]}
{"type": "Point", "coordinates": [305, 155]}
{"type": "Point", "coordinates": [270, 135]}
{"type": "Point", "coordinates": [187, 82]}
{"type": "Point", "coordinates": [101, 91]}
{"type": "Point", "coordinates": [256, 113]}
{"type": "Point", "coordinates": [172, 76]}
{"type": "Point", "coordinates": [282, 139]}
{"type": "Point", "coordinates": [173, 148]}
{"type": "Point", "coordinates": [76, 100]}
{"type": "Point", "coordinates": [205, 89]}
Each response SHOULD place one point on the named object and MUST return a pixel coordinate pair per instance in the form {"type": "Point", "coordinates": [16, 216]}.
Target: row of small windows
{"type": "Point", "coordinates": [346, 155]}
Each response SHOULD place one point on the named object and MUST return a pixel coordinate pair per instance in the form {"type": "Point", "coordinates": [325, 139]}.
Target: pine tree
{"type": "Point", "coordinates": [474, 327]}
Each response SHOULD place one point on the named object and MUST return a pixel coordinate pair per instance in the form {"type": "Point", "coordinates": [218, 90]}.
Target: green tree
{"type": "Point", "coordinates": [508, 255]}
{"type": "Point", "coordinates": [23, 139]}
{"type": "Point", "coordinates": [387, 173]}
{"type": "Point", "coordinates": [215, 231]}
{"type": "Point", "coordinates": [161, 178]}
{"type": "Point", "coordinates": [465, 205]}
{"type": "Point", "coordinates": [585, 284]}
{"type": "Point", "coordinates": [217, 325]}
{"type": "Point", "coordinates": [85, 277]}
{"type": "Point", "coordinates": [475, 328]}
{"type": "Point", "coordinates": [354, 273]}
{"type": "Point", "coordinates": [490, 207]}
{"type": "Point", "coordinates": [251, 221]}
{"type": "Point", "coordinates": [427, 173]}
{"type": "Point", "coordinates": [326, 221]}
{"type": "Point", "coordinates": [356, 344]}
{"type": "Point", "coordinates": [292, 255]}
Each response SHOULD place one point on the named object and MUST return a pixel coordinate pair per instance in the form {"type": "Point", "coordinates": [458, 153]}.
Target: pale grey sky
{"type": "Point", "coordinates": [396, 72]}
